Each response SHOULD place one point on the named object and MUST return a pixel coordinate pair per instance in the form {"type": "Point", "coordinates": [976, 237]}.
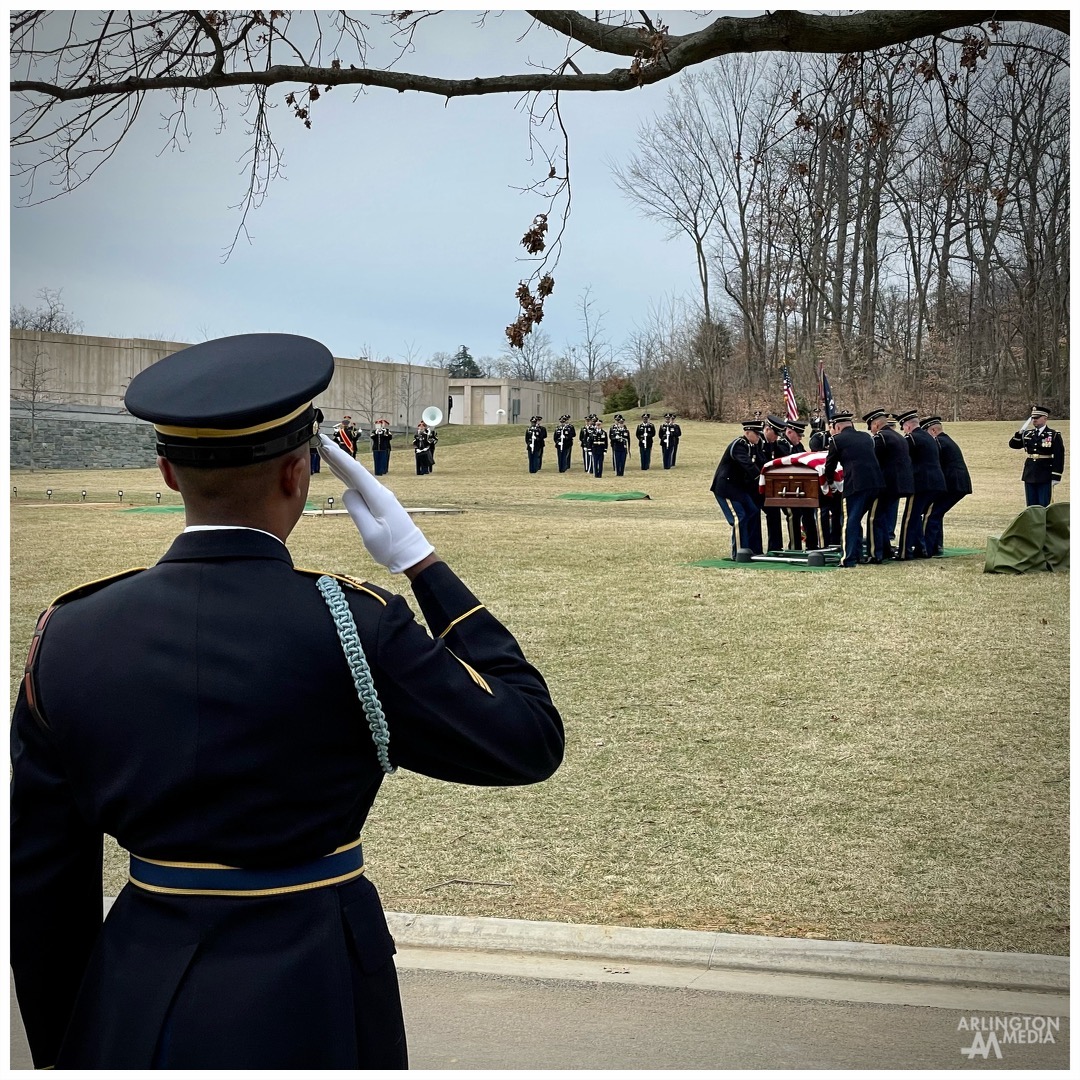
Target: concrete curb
{"type": "Point", "coordinates": [716, 951]}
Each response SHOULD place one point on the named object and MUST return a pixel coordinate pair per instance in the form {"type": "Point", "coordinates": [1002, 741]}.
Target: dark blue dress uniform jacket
{"type": "Point", "coordinates": [1045, 451]}
{"type": "Point", "coordinates": [854, 450]}
{"type": "Point", "coordinates": [895, 461]}
{"type": "Point", "coordinates": [925, 461]}
{"type": "Point", "coordinates": [953, 466]}
{"type": "Point", "coordinates": [739, 468]}
{"type": "Point", "coordinates": [203, 710]}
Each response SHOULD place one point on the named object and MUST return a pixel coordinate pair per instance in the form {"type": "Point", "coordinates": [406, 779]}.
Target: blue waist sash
{"type": "Point", "coordinates": [213, 879]}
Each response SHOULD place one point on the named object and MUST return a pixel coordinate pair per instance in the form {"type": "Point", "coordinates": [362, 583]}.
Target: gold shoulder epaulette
{"type": "Point", "coordinates": [93, 586]}
{"type": "Point", "coordinates": [351, 582]}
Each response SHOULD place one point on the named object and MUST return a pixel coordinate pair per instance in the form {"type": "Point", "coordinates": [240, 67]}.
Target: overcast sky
{"type": "Point", "coordinates": [394, 232]}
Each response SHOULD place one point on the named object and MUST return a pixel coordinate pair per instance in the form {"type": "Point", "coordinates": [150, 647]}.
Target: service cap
{"type": "Point", "coordinates": [777, 423]}
{"type": "Point", "coordinates": [1039, 410]}
{"type": "Point", "coordinates": [929, 421]}
{"type": "Point", "coordinates": [797, 425]}
{"type": "Point", "coordinates": [903, 417]}
{"type": "Point", "coordinates": [843, 418]}
{"type": "Point", "coordinates": [235, 400]}
{"type": "Point", "coordinates": [754, 425]}
{"type": "Point", "coordinates": [874, 414]}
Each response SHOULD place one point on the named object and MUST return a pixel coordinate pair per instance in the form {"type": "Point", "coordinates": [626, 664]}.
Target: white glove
{"type": "Point", "coordinates": [388, 532]}
{"type": "Point", "coordinates": [1026, 424]}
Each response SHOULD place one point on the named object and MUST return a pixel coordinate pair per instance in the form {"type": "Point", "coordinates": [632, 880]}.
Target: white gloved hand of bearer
{"type": "Point", "coordinates": [388, 532]}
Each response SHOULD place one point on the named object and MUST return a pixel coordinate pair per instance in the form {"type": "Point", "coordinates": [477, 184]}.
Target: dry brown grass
{"type": "Point", "coordinates": [874, 756]}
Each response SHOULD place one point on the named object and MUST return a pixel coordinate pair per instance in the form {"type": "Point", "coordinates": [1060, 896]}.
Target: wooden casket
{"type": "Point", "coordinates": [791, 485]}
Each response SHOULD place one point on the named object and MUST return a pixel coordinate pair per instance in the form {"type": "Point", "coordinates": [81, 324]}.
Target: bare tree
{"type": "Point", "coordinates": [49, 317]}
{"type": "Point", "coordinates": [35, 386]}
{"type": "Point", "coordinates": [596, 360]}
{"type": "Point", "coordinates": [532, 361]}
{"type": "Point", "coordinates": [81, 78]}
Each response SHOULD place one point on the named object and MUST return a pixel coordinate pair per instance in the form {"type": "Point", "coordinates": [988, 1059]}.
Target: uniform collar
{"type": "Point", "coordinates": [237, 543]}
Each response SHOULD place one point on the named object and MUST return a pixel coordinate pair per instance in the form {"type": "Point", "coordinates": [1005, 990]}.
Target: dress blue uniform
{"type": "Point", "coordinates": [670, 434]}
{"type": "Point", "coordinates": [381, 436]}
{"type": "Point", "coordinates": [774, 445]}
{"type": "Point", "coordinates": [215, 724]}
{"type": "Point", "coordinates": [894, 458]}
{"type": "Point", "coordinates": [620, 444]}
{"type": "Point", "coordinates": [564, 442]}
{"type": "Point", "coordinates": [854, 450]}
{"type": "Point", "coordinates": [801, 520]}
{"type": "Point", "coordinates": [735, 488]}
{"type": "Point", "coordinates": [598, 444]}
{"type": "Point", "coordinates": [929, 485]}
{"type": "Point", "coordinates": [535, 438]}
{"type": "Point", "coordinates": [1045, 464]}
{"type": "Point", "coordinates": [645, 435]}
{"type": "Point", "coordinates": [830, 506]}
{"type": "Point", "coordinates": [957, 485]}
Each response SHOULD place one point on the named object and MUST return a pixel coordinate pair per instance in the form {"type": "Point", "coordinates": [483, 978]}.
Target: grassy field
{"type": "Point", "coordinates": [880, 756]}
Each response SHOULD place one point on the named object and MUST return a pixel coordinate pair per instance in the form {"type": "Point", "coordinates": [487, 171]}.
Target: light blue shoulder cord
{"type": "Point", "coordinates": [358, 665]}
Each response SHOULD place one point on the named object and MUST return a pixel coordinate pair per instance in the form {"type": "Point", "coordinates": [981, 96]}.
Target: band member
{"type": "Point", "coordinates": [830, 510]}
{"type": "Point", "coordinates": [535, 437]}
{"type": "Point", "coordinates": [598, 444]}
{"type": "Point", "coordinates": [423, 448]}
{"type": "Point", "coordinates": [646, 433]}
{"type": "Point", "coordinates": [802, 520]}
{"type": "Point", "coordinates": [894, 459]}
{"type": "Point", "coordinates": [1045, 451]}
{"type": "Point", "coordinates": [380, 446]}
{"type": "Point", "coordinates": [670, 434]}
{"type": "Point", "coordinates": [957, 485]}
{"type": "Point", "coordinates": [564, 442]}
{"type": "Point", "coordinates": [345, 435]}
{"type": "Point", "coordinates": [619, 435]}
{"type": "Point", "coordinates": [774, 445]}
{"type": "Point", "coordinates": [929, 485]}
{"type": "Point", "coordinates": [735, 487]}
{"type": "Point", "coordinates": [584, 437]}
{"type": "Point", "coordinates": [854, 450]}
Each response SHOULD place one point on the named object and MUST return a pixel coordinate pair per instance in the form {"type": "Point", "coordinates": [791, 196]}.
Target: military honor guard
{"type": "Point", "coordinates": [929, 485]}
{"type": "Point", "coordinates": [830, 508]}
{"type": "Point", "coordinates": [894, 459]}
{"type": "Point", "coordinates": [957, 485]}
{"type": "Point", "coordinates": [619, 436]}
{"type": "Point", "coordinates": [670, 434]}
{"type": "Point", "coordinates": [802, 520]}
{"type": "Point", "coordinates": [646, 436]}
{"type": "Point", "coordinates": [583, 438]}
{"type": "Point", "coordinates": [735, 487]}
{"type": "Point", "coordinates": [598, 445]}
{"type": "Point", "coordinates": [346, 435]}
{"type": "Point", "coordinates": [774, 445]}
{"type": "Point", "coordinates": [424, 448]}
{"type": "Point", "coordinates": [535, 438]}
{"type": "Point", "coordinates": [226, 729]}
{"type": "Point", "coordinates": [1045, 450]}
{"type": "Point", "coordinates": [381, 436]}
{"type": "Point", "coordinates": [565, 434]}
{"type": "Point", "coordinates": [854, 451]}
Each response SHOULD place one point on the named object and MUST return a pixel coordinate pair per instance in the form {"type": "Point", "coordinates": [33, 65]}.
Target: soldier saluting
{"type": "Point", "coordinates": [1045, 451]}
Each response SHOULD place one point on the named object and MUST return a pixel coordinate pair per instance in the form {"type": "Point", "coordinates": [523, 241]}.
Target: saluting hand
{"type": "Point", "coordinates": [389, 534]}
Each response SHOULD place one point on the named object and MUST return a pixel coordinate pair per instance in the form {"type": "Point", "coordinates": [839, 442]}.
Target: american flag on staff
{"type": "Point", "coordinates": [789, 395]}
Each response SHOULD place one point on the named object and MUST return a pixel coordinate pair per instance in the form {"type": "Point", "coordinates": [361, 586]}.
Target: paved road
{"type": "Point", "coordinates": [473, 1020]}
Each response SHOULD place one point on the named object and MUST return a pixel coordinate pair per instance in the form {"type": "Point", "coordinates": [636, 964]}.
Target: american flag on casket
{"type": "Point", "coordinates": [815, 459]}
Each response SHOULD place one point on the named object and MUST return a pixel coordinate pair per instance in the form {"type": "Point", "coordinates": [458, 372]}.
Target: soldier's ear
{"type": "Point", "coordinates": [168, 474]}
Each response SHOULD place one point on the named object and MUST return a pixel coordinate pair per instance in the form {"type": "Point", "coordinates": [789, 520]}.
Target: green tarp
{"type": "Point", "coordinates": [1036, 539]}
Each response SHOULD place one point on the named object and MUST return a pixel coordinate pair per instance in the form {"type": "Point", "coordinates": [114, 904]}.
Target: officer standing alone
{"type": "Point", "coordinates": [217, 731]}
{"type": "Point", "coordinates": [1045, 450]}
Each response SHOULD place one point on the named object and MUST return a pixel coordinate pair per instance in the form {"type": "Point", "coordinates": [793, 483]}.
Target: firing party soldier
{"type": "Point", "coordinates": [584, 438]}
{"type": "Point", "coordinates": [619, 434]}
{"type": "Point", "coordinates": [381, 435]}
{"type": "Point", "coordinates": [670, 434]}
{"type": "Point", "coordinates": [535, 437]}
{"type": "Point", "coordinates": [854, 451]}
{"type": "Point", "coordinates": [929, 485]}
{"type": "Point", "coordinates": [1045, 451]}
{"type": "Point", "coordinates": [248, 935]}
{"type": "Point", "coordinates": [735, 487]}
{"type": "Point", "coordinates": [598, 444]}
{"type": "Point", "coordinates": [645, 434]}
{"type": "Point", "coordinates": [894, 459]}
{"type": "Point", "coordinates": [565, 435]}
